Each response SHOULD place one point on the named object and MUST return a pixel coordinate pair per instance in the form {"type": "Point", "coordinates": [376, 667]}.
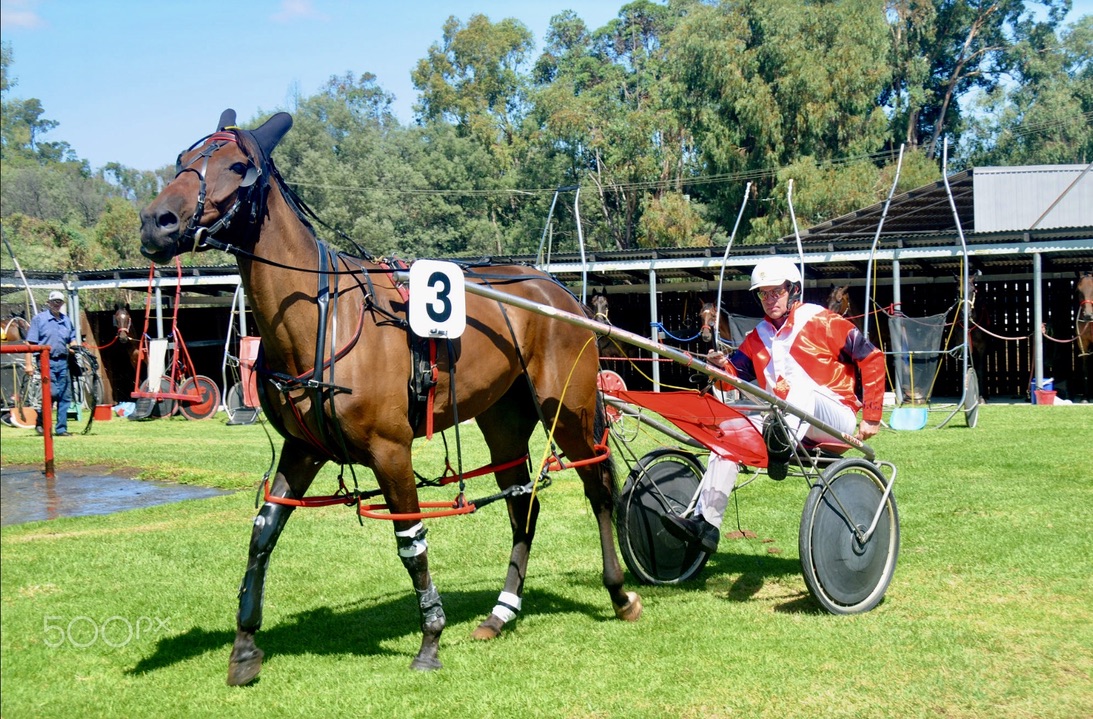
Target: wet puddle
{"type": "Point", "coordinates": [27, 496]}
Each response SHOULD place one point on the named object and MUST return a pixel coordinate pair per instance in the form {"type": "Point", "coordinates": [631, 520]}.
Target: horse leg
{"type": "Point", "coordinates": [601, 492]}
{"type": "Point", "coordinates": [394, 472]}
{"type": "Point", "coordinates": [506, 430]}
{"type": "Point", "coordinates": [295, 472]}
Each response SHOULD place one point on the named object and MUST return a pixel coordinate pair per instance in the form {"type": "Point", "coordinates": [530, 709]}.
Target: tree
{"type": "Point", "coordinates": [473, 79]}
{"type": "Point", "coordinates": [943, 50]}
{"type": "Point", "coordinates": [1045, 116]}
{"type": "Point", "coordinates": [762, 85]}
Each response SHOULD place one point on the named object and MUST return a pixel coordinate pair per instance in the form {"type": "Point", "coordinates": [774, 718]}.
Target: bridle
{"type": "Point", "coordinates": [195, 231]}
{"type": "Point", "coordinates": [123, 331]}
{"type": "Point", "coordinates": [601, 314]}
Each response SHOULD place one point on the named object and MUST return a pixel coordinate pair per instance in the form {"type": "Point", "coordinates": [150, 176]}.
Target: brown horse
{"type": "Point", "coordinates": [1083, 331]}
{"type": "Point", "coordinates": [842, 303]}
{"type": "Point", "coordinates": [601, 312]}
{"type": "Point", "coordinates": [14, 329]}
{"type": "Point", "coordinates": [123, 327]}
{"type": "Point", "coordinates": [709, 319]}
{"type": "Point", "coordinates": [337, 391]}
{"type": "Point", "coordinates": [978, 336]}
{"type": "Point", "coordinates": [1083, 322]}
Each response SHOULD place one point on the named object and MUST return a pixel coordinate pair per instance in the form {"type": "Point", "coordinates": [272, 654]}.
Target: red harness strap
{"type": "Point", "coordinates": [343, 496]}
{"type": "Point", "coordinates": [430, 402]}
{"type": "Point", "coordinates": [602, 452]}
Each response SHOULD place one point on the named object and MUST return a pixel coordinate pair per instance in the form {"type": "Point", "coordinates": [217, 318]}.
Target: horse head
{"type": "Point", "coordinates": [123, 322]}
{"type": "Point", "coordinates": [708, 323]}
{"type": "Point", "coordinates": [221, 177]}
{"type": "Point", "coordinates": [1084, 289]}
{"type": "Point", "coordinates": [838, 301]}
{"type": "Point", "coordinates": [599, 306]}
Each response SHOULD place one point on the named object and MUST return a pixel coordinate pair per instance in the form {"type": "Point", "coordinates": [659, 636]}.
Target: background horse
{"type": "Point", "coordinates": [978, 336]}
{"type": "Point", "coordinates": [840, 301]}
{"type": "Point", "coordinates": [606, 347]}
{"type": "Point", "coordinates": [336, 365]}
{"type": "Point", "coordinates": [1083, 321]}
{"type": "Point", "coordinates": [14, 328]}
{"type": "Point", "coordinates": [709, 319]}
{"type": "Point", "coordinates": [1083, 331]}
{"type": "Point", "coordinates": [123, 327]}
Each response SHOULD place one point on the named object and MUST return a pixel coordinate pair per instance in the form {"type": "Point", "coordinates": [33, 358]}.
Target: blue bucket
{"type": "Point", "coordinates": [1049, 384]}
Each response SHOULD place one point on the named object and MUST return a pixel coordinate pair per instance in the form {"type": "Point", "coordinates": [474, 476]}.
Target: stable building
{"type": "Point", "coordinates": [1026, 232]}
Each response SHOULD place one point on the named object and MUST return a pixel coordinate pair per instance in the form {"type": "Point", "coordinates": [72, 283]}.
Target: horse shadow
{"type": "Point", "coordinates": [753, 572]}
{"type": "Point", "coordinates": [362, 628]}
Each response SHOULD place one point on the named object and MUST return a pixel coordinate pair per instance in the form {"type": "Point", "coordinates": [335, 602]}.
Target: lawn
{"type": "Point", "coordinates": [132, 614]}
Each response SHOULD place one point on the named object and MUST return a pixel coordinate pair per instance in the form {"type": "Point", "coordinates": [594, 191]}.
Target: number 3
{"type": "Point", "coordinates": [442, 287]}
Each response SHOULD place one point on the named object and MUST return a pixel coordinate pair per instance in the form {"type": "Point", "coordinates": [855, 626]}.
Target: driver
{"type": "Point", "coordinates": [805, 355]}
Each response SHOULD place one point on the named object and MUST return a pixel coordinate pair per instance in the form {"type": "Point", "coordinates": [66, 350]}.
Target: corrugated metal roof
{"type": "Point", "coordinates": [1014, 199]}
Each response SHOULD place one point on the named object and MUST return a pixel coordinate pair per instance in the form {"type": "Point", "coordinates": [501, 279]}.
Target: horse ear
{"type": "Point", "coordinates": [116, 307]}
{"type": "Point", "coordinates": [271, 131]}
{"type": "Point", "coordinates": [227, 119]}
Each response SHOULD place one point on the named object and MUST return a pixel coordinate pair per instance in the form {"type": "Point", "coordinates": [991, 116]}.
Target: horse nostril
{"type": "Point", "coordinates": [166, 220]}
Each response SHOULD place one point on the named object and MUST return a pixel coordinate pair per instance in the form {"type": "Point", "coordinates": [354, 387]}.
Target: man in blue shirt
{"type": "Point", "coordinates": [53, 328]}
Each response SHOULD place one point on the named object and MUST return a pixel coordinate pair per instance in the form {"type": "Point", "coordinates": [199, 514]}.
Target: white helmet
{"type": "Point", "coordinates": [772, 271]}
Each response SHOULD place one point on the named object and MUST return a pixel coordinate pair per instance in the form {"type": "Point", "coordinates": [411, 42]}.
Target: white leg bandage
{"type": "Point", "coordinates": [508, 604]}
{"type": "Point", "coordinates": [411, 542]}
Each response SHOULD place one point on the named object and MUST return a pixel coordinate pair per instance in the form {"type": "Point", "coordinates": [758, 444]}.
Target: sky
{"type": "Point", "coordinates": [136, 81]}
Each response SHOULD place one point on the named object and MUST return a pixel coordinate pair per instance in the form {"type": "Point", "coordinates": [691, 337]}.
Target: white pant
{"type": "Point", "coordinates": [720, 476]}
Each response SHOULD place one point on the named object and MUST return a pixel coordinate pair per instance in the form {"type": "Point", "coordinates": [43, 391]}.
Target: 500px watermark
{"type": "Point", "coordinates": [82, 632]}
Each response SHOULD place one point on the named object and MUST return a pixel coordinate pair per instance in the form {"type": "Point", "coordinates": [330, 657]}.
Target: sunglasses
{"type": "Point", "coordinates": [772, 294]}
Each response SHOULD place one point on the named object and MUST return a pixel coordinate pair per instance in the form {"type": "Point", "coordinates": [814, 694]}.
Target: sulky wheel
{"type": "Point", "coordinates": [846, 572]}
{"type": "Point", "coordinates": [233, 401]}
{"type": "Point", "coordinates": [208, 403]}
{"type": "Point", "coordinates": [971, 398]}
{"type": "Point", "coordinates": [165, 406]}
{"type": "Point", "coordinates": [663, 481]}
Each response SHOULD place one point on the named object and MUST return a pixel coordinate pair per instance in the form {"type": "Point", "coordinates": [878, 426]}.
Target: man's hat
{"type": "Point", "coordinates": [56, 295]}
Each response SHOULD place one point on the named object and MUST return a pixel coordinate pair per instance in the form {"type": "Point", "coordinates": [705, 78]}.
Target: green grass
{"type": "Point", "coordinates": [989, 613]}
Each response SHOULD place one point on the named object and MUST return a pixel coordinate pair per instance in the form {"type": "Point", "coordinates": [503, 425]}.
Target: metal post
{"type": "Point", "coordinates": [47, 410]}
{"type": "Point", "coordinates": [893, 337]}
{"type": "Point", "coordinates": [1037, 320]}
{"type": "Point", "coordinates": [74, 314]}
{"type": "Point", "coordinates": [242, 310]}
{"type": "Point", "coordinates": [159, 306]}
{"type": "Point", "coordinates": [654, 326]}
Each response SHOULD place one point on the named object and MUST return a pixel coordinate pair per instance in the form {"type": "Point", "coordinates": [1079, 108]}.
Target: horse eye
{"type": "Point", "coordinates": [239, 168]}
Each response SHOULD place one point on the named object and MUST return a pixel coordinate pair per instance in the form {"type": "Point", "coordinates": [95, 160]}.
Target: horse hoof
{"type": "Point", "coordinates": [425, 664]}
{"type": "Point", "coordinates": [488, 629]}
{"type": "Point", "coordinates": [243, 671]}
{"type": "Point", "coordinates": [631, 611]}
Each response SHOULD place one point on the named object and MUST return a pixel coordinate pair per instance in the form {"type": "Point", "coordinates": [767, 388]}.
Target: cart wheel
{"type": "Point", "coordinates": [28, 401]}
{"type": "Point", "coordinates": [971, 398]}
{"type": "Point", "coordinates": [166, 406]}
{"type": "Point", "coordinates": [663, 481]}
{"type": "Point", "coordinates": [610, 381]}
{"type": "Point", "coordinates": [202, 408]}
{"type": "Point", "coordinates": [843, 574]}
{"type": "Point", "coordinates": [233, 400]}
